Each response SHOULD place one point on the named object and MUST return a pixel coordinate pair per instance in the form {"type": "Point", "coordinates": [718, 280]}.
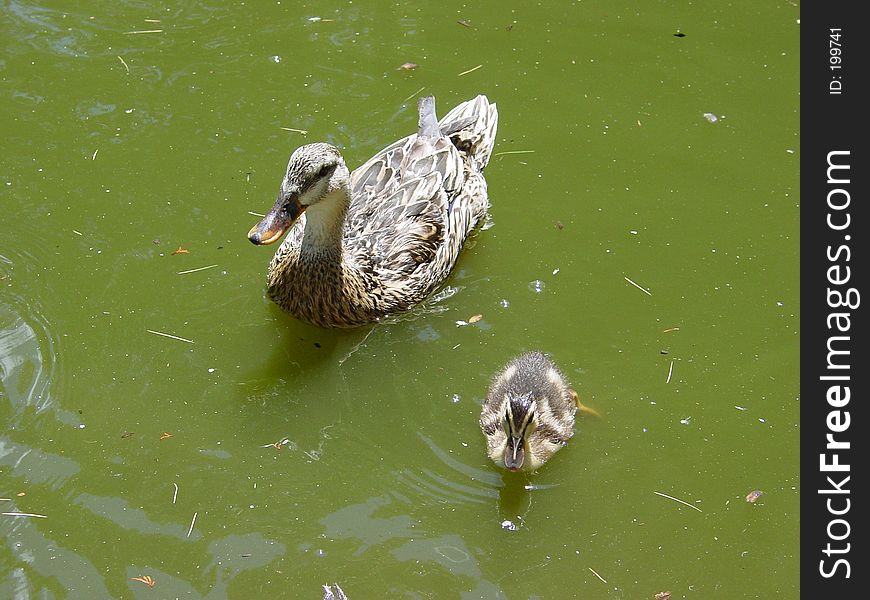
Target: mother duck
{"type": "Point", "coordinates": [377, 241]}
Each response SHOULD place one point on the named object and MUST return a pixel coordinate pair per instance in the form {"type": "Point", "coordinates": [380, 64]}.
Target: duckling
{"type": "Point", "coordinates": [528, 413]}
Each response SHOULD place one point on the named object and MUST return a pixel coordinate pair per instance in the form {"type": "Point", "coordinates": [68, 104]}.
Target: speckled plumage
{"type": "Point", "coordinates": [529, 383]}
{"type": "Point", "coordinates": [381, 239]}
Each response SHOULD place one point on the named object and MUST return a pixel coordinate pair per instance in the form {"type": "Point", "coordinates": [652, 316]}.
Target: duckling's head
{"type": "Point", "coordinates": [519, 422]}
{"type": "Point", "coordinates": [314, 173]}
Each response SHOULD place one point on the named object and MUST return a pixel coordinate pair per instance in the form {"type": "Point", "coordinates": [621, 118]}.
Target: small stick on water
{"type": "Point", "coordinates": [643, 289]}
{"type": "Point", "coordinates": [169, 335]}
{"type": "Point", "coordinates": [513, 152]}
{"type": "Point", "coordinates": [471, 70]}
{"type": "Point", "coordinates": [678, 500]}
{"type": "Point", "coordinates": [302, 131]}
{"type": "Point", "coordinates": [192, 521]}
{"type": "Point", "coordinates": [77, 232]}
{"type": "Point", "coordinates": [21, 514]}
{"type": "Point", "coordinates": [143, 31]}
{"type": "Point", "coordinates": [250, 212]}
{"type": "Point", "coordinates": [412, 95]}
{"type": "Point", "coordinates": [196, 270]}
{"type": "Point", "coordinates": [597, 575]}
{"type": "Point", "coordinates": [94, 155]}
{"type": "Point", "coordinates": [124, 63]}
{"type": "Point", "coordinates": [671, 370]}
{"type": "Point", "coordinates": [175, 493]}
{"type": "Point", "coordinates": [670, 329]}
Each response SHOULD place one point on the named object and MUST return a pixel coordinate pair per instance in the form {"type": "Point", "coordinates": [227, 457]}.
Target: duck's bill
{"type": "Point", "coordinates": [514, 454]}
{"type": "Point", "coordinates": [277, 222]}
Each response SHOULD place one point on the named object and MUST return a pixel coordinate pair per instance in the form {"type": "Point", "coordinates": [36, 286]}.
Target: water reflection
{"type": "Point", "coordinates": [27, 354]}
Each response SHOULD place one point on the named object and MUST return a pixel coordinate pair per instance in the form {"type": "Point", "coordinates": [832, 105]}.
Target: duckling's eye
{"type": "Point", "coordinates": [324, 171]}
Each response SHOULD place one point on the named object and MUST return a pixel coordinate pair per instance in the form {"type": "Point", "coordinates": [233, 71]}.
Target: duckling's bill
{"type": "Point", "coordinates": [281, 218]}
{"type": "Point", "coordinates": [514, 453]}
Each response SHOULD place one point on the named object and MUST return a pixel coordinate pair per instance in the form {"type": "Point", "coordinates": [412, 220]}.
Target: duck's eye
{"type": "Point", "coordinates": [324, 171]}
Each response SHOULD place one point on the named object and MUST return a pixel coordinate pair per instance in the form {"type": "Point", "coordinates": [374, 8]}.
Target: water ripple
{"type": "Point", "coordinates": [27, 349]}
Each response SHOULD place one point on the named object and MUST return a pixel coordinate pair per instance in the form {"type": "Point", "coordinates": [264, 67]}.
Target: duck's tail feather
{"type": "Point", "coordinates": [427, 126]}
{"type": "Point", "coordinates": [471, 127]}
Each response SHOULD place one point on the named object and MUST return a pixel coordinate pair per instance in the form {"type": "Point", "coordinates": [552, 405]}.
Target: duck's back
{"type": "Point", "coordinates": [415, 202]}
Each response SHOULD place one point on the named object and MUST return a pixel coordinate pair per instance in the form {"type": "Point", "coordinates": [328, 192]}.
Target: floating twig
{"type": "Point", "coordinates": [169, 335]}
{"type": "Point", "coordinates": [670, 329]}
{"type": "Point", "coordinates": [143, 31]}
{"type": "Point", "coordinates": [643, 289]}
{"type": "Point", "coordinates": [412, 95]}
{"type": "Point", "coordinates": [175, 493]}
{"type": "Point", "coordinates": [678, 500]}
{"type": "Point", "coordinates": [250, 212]}
{"type": "Point", "coordinates": [125, 64]}
{"type": "Point", "coordinates": [196, 270]}
{"type": "Point", "coordinates": [513, 152]}
{"type": "Point", "coordinates": [22, 514]}
{"type": "Point", "coordinates": [671, 370]}
{"type": "Point", "coordinates": [302, 131]}
{"type": "Point", "coordinates": [94, 155]}
{"type": "Point", "coordinates": [597, 575]}
{"type": "Point", "coordinates": [469, 70]}
{"type": "Point", "coordinates": [192, 521]}
{"type": "Point", "coordinates": [77, 232]}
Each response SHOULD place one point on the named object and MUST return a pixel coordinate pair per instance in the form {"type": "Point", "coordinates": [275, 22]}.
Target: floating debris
{"type": "Point", "coordinates": [711, 117]}
{"type": "Point", "coordinates": [196, 270]}
{"type": "Point", "coordinates": [662, 596]}
{"type": "Point", "coordinates": [180, 250]}
{"type": "Point", "coordinates": [537, 286]}
{"type": "Point", "coordinates": [146, 579]}
{"type": "Point", "coordinates": [475, 318]}
{"type": "Point", "coordinates": [508, 525]}
{"type": "Point", "coordinates": [643, 289]}
{"type": "Point", "coordinates": [408, 66]}
{"type": "Point", "coordinates": [471, 70]}
{"type": "Point", "coordinates": [465, 23]}
{"type": "Point", "coordinates": [679, 34]}
{"type": "Point", "coordinates": [166, 435]}
{"type": "Point", "coordinates": [683, 502]}
{"type": "Point", "coordinates": [192, 521]}
{"type": "Point", "coordinates": [513, 152]}
{"type": "Point", "coordinates": [753, 496]}
{"type": "Point", "coordinates": [170, 336]}
{"type": "Point", "coordinates": [594, 572]}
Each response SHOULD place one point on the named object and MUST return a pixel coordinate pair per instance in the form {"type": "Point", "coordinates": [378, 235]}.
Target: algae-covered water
{"type": "Point", "coordinates": [643, 231]}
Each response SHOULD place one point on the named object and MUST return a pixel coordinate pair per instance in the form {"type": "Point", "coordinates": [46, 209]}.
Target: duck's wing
{"type": "Point", "coordinates": [401, 200]}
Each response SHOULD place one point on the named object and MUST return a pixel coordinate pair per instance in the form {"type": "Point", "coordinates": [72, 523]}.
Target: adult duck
{"type": "Point", "coordinates": [368, 244]}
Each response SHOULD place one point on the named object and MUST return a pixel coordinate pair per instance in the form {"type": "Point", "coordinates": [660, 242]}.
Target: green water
{"type": "Point", "coordinates": [120, 147]}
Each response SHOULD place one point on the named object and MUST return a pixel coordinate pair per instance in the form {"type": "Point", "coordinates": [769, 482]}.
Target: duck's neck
{"type": "Point", "coordinates": [324, 224]}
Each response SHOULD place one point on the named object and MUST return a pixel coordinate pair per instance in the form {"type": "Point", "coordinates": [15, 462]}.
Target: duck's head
{"type": "Point", "coordinates": [314, 172]}
{"type": "Point", "coordinates": [519, 422]}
